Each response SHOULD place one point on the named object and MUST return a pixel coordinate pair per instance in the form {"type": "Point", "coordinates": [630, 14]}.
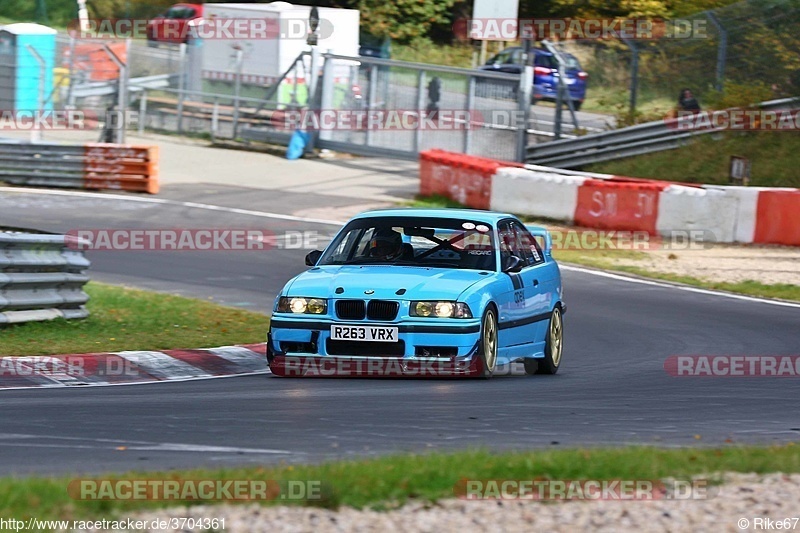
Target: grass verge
{"type": "Point", "coordinates": [391, 481]}
{"type": "Point", "coordinates": [604, 259]}
{"type": "Point", "coordinates": [130, 319]}
{"type": "Point", "coordinates": [774, 157]}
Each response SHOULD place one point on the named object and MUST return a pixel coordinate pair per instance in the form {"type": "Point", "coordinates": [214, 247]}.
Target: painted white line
{"type": "Point", "coordinates": [171, 447]}
{"type": "Point", "coordinates": [162, 201]}
{"type": "Point", "coordinates": [685, 288]}
{"type": "Point", "coordinates": [143, 446]}
{"type": "Point", "coordinates": [340, 223]}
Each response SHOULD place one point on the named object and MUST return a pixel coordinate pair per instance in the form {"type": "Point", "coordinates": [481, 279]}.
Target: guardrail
{"type": "Point", "coordinates": [626, 142]}
{"type": "Point", "coordinates": [85, 166]}
{"type": "Point", "coordinates": [106, 88]}
{"type": "Point", "coordinates": [41, 278]}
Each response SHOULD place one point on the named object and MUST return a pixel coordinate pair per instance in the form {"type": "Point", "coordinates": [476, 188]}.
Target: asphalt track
{"type": "Point", "coordinates": [612, 388]}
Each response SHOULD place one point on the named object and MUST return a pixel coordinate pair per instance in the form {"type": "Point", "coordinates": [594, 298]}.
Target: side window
{"type": "Point", "coordinates": [532, 252]}
{"type": "Point", "coordinates": [507, 241]}
{"type": "Point", "coordinates": [516, 57]}
{"type": "Point", "coordinates": [546, 61]}
{"type": "Point", "coordinates": [502, 58]}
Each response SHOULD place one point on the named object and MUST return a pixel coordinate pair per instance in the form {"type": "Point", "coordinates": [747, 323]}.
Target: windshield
{"type": "Point", "coordinates": [414, 241]}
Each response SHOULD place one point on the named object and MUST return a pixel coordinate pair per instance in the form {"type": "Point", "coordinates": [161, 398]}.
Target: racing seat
{"type": "Point", "coordinates": [408, 252]}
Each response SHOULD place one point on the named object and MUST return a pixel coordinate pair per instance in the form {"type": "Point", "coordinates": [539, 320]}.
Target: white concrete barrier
{"type": "Point", "coordinates": [535, 193]}
{"type": "Point", "coordinates": [712, 211]}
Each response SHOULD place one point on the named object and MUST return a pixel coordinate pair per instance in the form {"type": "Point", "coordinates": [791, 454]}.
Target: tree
{"type": "Point", "coordinates": [403, 20]}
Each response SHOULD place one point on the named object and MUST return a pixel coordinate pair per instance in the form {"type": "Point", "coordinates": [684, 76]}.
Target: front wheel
{"type": "Point", "coordinates": [488, 343]}
{"type": "Point", "coordinates": [553, 348]}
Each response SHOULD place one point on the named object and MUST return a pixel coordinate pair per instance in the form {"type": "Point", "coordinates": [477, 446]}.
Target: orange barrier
{"type": "Point", "coordinates": [463, 178]}
{"type": "Point", "coordinates": [92, 58]}
{"type": "Point", "coordinates": [618, 205]}
{"type": "Point", "coordinates": [122, 167]}
{"type": "Point", "coordinates": [778, 217]}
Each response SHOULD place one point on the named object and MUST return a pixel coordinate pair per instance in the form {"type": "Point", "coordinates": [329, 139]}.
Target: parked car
{"type": "Point", "coordinates": [173, 25]}
{"type": "Point", "coordinates": [545, 73]}
{"type": "Point", "coordinates": [422, 292]}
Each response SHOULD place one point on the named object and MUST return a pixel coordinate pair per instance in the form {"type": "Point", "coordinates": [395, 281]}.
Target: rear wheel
{"type": "Point", "coordinates": [553, 348]}
{"type": "Point", "coordinates": [576, 105]}
{"type": "Point", "coordinates": [488, 343]}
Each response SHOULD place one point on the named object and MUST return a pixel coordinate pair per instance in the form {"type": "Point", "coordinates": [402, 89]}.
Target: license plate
{"type": "Point", "coordinates": [364, 333]}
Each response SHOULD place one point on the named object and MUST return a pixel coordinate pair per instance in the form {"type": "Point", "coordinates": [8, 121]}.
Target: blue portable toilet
{"type": "Point", "coordinates": [20, 71]}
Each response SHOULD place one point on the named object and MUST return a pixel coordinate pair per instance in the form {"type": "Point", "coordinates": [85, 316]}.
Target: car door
{"type": "Point", "coordinates": [536, 281]}
{"type": "Point", "coordinates": [513, 324]}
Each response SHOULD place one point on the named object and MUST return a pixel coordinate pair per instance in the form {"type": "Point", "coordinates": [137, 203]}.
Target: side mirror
{"type": "Point", "coordinates": [512, 264]}
{"type": "Point", "coordinates": [313, 257]}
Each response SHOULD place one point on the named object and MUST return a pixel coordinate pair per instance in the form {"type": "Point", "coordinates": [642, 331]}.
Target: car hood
{"type": "Point", "coordinates": [420, 283]}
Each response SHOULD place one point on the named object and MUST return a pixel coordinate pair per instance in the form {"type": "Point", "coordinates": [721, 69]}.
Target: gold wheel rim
{"type": "Point", "coordinates": [556, 337]}
{"type": "Point", "coordinates": [490, 341]}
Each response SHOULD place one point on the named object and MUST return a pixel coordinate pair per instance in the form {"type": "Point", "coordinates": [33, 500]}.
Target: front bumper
{"type": "Point", "coordinates": [459, 336]}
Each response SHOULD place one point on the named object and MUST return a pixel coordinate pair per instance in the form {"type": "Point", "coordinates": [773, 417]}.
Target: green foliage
{"type": "Point", "coordinates": [403, 20]}
{"type": "Point", "coordinates": [739, 95]}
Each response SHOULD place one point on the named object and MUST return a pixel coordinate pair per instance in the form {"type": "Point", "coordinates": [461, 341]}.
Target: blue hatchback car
{"type": "Point", "coordinates": [422, 292]}
{"type": "Point", "coordinates": [545, 73]}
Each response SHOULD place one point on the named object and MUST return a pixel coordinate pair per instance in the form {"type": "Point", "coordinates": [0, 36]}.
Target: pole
{"type": "Point", "coordinates": [142, 111]}
{"type": "Point", "coordinates": [70, 99]}
{"type": "Point", "coordinates": [122, 94]}
{"type": "Point", "coordinates": [181, 85]}
{"type": "Point", "coordinates": [562, 92]}
{"type": "Point", "coordinates": [237, 91]}
{"type": "Point", "coordinates": [722, 49]}
{"type": "Point", "coordinates": [525, 89]}
{"type": "Point", "coordinates": [36, 133]}
{"type": "Point", "coordinates": [83, 16]}
{"type": "Point", "coordinates": [634, 75]}
{"type": "Point", "coordinates": [420, 109]}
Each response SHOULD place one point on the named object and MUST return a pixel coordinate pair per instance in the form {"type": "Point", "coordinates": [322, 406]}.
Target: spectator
{"type": "Point", "coordinates": [687, 101]}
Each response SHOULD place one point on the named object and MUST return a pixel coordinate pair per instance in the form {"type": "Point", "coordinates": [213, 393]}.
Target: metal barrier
{"type": "Point", "coordinates": [86, 166]}
{"type": "Point", "coordinates": [41, 278]}
{"type": "Point", "coordinates": [626, 142]}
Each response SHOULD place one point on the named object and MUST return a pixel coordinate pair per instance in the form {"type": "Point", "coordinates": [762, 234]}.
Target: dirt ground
{"type": "Point", "coordinates": [725, 262]}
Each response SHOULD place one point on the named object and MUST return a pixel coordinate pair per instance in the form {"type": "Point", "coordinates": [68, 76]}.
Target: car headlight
{"type": "Point", "coordinates": [299, 305]}
{"type": "Point", "coordinates": [440, 309]}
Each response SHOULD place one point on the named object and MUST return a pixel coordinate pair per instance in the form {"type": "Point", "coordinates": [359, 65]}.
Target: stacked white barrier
{"type": "Point", "coordinates": [690, 209]}
{"type": "Point", "coordinates": [542, 194]}
{"type": "Point", "coordinates": [724, 214]}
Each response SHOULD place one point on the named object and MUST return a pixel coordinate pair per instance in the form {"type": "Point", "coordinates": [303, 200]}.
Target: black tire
{"type": "Point", "coordinates": [487, 349]}
{"type": "Point", "coordinates": [576, 105]}
{"type": "Point", "coordinates": [553, 346]}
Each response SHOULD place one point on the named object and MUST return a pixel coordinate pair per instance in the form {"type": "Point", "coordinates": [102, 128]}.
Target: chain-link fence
{"type": "Point", "coordinates": [736, 55]}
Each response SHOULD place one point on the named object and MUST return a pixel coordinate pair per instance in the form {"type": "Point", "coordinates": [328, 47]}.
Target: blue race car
{"type": "Point", "coordinates": [422, 292]}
